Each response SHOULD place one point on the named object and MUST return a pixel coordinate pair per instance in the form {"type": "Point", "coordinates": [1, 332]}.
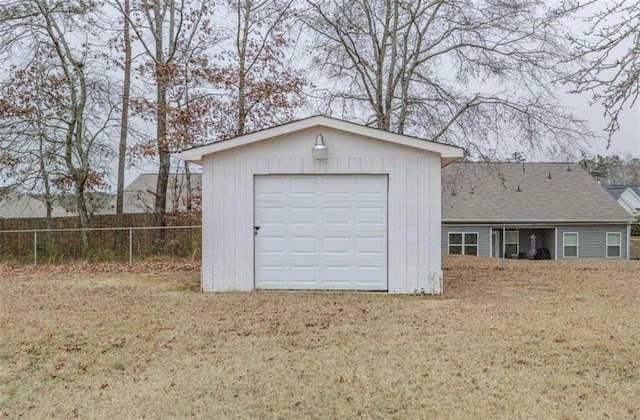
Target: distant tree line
{"type": "Point", "coordinates": [613, 170]}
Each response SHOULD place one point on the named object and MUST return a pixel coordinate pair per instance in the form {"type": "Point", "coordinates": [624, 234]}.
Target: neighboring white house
{"type": "Point", "coordinates": [321, 203]}
{"type": "Point", "coordinates": [628, 196]}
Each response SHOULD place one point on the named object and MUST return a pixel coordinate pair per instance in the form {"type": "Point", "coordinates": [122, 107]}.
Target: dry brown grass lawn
{"type": "Point", "coordinates": [635, 247]}
{"type": "Point", "coordinates": [538, 340]}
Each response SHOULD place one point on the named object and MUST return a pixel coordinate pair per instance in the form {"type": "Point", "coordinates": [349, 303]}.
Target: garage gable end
{"type": "Point", "coordinates": [317, 125]}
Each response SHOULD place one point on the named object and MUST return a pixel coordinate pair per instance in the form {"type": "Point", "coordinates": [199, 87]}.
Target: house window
{"type": "Point", "coordinates": [614, 241]}
{"type": "Point", "coordinates": [570, 242]}
{"type": "Point", "coordinates": [463, 243]}
{"type": "Point", "coordinates": [511, 242]}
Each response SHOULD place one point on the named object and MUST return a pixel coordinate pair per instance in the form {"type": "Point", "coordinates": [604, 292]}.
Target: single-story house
{"type": "Point", "coordinates": [139, 196]}
{"type": "Point", "coordinates": [321, 203]}
{"type": "Point", "coordinates": [628, 196]}
{"type": "Point", "coordinates": [14, 205]}
{"type": "Point", "coordinates": [530, 210]}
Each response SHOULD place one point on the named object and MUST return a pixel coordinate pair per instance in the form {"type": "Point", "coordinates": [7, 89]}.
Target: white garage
{"type": "Point", "coordinates": [322, 204]}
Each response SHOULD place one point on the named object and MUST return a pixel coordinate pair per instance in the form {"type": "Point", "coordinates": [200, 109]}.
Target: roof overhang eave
{"type": "Point", "coordinates": [538, 222]}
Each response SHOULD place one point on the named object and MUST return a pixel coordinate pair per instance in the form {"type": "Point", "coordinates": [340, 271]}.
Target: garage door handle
{"type": "Point", "coordinates": [256, 229]}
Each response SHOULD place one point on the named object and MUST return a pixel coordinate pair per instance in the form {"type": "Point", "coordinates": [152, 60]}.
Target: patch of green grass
{"type": "Point", "coordinates": [117, 365]}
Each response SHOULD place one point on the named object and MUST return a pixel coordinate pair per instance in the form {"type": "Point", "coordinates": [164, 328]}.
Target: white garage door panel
{"type": "Point", "coordinates": [321, 232]}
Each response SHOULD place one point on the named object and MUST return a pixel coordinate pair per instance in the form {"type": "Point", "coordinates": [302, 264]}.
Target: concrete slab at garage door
{"type": "Point", "coordinates": [321, 232]}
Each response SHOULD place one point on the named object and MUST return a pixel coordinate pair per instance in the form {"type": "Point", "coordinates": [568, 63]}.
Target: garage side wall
{"type": "Point", "coordinates": [414, 207]}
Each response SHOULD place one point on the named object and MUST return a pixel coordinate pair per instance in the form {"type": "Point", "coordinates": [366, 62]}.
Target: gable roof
{"type": "Point", "coordinates": [628, 196]}
{"type": "Point", "coordinates": [617, 190]}
{"type": "Point", "coordinates": [139, 195]}
{"type": "Point", "coordinates": [448, 153]}
{"type": "Point", "coordinates": [525, 193]}
{"type": "Point", "coordinates": [14, 205]}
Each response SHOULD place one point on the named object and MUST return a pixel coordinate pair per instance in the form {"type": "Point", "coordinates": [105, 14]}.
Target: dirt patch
{"type": "Point", "coordinates": [540, 339]}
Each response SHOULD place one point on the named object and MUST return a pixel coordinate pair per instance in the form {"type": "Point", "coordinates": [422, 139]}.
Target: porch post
{"type": "Point", "coordinates": [628, 246]}
{"type": "Point", "coordinates": [504, 244]}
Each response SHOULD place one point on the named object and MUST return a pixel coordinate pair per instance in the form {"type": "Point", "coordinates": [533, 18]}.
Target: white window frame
{"type": "Point", "coordinates": [619, 244]}
{"type": "Point", "coordinates": [564, 244]}
{"type": "Point", "coordinates": [463, 244]}
{"type": "Point", "coordinates": [516, 243]}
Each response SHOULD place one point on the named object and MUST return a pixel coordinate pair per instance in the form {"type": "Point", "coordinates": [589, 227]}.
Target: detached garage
{"type": "Point", "coordinates": [322, 204]}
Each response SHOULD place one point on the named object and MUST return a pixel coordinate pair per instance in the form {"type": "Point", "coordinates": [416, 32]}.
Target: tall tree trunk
{"type": "Point", "coordinates": [241, 45]}
{"type": "Point", "coordinates": [124, 120]}
{"type": "Point", "coordinates": [164, 168]}
{"type": "Point", "coordinates": [164, 157]}
{"type": "Point", "coordinates": [124, 125]}
{"type": "Point", "coordinates": [187, 175]}
{"type": "Point", "coordinates": [83, 213]}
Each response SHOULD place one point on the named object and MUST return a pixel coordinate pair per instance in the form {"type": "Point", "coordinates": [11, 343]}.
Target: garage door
{"type": "Point", "coordinates": [321, 232]}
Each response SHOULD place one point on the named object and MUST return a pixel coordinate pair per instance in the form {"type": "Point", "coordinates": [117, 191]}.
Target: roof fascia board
{"type": "Point", "coordinates": [538, 222]}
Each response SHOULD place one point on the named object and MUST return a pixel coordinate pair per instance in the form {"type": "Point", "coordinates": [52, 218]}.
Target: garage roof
{"type": "Point", "coordinates": [447, 153]}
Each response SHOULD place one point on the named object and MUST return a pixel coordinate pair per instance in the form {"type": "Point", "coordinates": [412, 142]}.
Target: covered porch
{"type": "Point", "coordinates": [523, 242]}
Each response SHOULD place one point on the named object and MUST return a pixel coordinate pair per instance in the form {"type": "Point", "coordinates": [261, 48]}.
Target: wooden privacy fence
{"type": "Point", "coordinates": [36, 241]}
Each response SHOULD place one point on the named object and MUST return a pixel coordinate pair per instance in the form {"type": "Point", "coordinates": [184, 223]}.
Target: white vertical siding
{"type": "Point", "coordinates": [435, 214]}
{"type": "Point", "coordinates": [430, 278]}
{"type": "Point", "coordinates": [413, 215]}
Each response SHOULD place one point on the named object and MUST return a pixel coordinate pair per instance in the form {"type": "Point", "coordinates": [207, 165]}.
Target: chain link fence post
{"type": "Point", "coordinates": [504, 247]}
{"type": "Point", "coordinates": [35, 248]}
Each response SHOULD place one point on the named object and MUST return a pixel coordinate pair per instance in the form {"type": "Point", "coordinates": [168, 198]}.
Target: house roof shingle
{"type": "Point", "coordinates": [18, 206]}
{"type": "Point", "coordinates": [525, 193]}
{"type": "Point", "coordinates": [139, 194]}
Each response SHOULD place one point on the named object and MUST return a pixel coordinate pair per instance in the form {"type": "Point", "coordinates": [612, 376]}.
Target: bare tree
{"type": "Point", "coordinates": [166, 31]}
{"type": "Point", "coordinates": [28, 148]}
{"type": "Point", "coordinates": [477, 74]}
{"type": "Point", "coordinates": [79, 109]}
{"type": "Point", "coordinates": [258, 83]}
{"type": "Point", "coordinates": [234, 79]}
{"type": "Point", "coordinates": [608, 56]}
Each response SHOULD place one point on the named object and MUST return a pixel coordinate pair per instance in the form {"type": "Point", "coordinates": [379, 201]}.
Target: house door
{"type": "Point", "coordinates": [495, 243]}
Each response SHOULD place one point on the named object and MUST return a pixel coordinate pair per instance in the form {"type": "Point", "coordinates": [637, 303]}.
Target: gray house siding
{"type": "Point", "coordinates": [484, 237]}
{"type": "Point", "coordinates": [592, 239]}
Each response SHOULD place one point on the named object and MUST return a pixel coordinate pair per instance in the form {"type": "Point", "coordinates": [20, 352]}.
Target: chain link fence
{"type": "Point", "coordinates": [634, 242]}
{"type": "Point", "coordinates": [127, 244]}
{"type": "Point", "coordinates": [47, 246]}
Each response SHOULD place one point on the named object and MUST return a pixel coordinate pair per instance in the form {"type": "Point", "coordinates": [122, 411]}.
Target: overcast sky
{"type": "Point", "coordinates": [627, 140]}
